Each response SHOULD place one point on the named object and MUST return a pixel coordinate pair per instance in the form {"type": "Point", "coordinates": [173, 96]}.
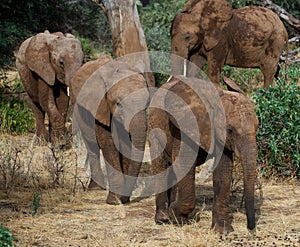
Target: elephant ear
{"type": "Point", "coordinates": [215, 17]}
{"type": "Point", "coordinates": [91, 88]}
{"type": "Point", "coordinates": [37, 57]}
{"type": "Point", "coordinates": [231, 85]}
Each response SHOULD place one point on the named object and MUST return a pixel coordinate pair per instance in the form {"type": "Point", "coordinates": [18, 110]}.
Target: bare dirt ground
{"type": "Point", "coordinates": [43, 203]}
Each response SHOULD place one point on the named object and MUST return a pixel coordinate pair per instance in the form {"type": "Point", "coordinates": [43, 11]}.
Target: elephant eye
{"type": "Point", "coordinates": [118, 103]}
{"type": "Point", "coordinates": [187, 36]}
{"type": "Point", "coordinates": [230, 131]}
{"type": "Point", "coordinates": [61, 63]}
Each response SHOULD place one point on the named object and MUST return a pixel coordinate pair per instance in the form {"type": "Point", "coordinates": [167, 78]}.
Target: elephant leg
{"type": "Point", "coordinates": [196, 63]}
{"type": "Point", "coordinates": [113, 165]}
{"type": "Point", "coordinates": [159, 169]}
{"type": "Point", "coordinates": [216, 60]}
{"type": "Point", "coordinates": [185, 201]}
{"type": "Point", "coordinates": [93, 159]}
{"type": "Point", "coordinates": [269, 70]}
{"type": "Point", "coordinates": [62, 100]}
{"type": "Point", "coordinates": [56, 120]}
{"type": "Point", "coordinates": [62, 103]}
{"type": "Point", "coordinates": [222, 177]}
{"type": "Point", "coordinates": [40, 122]}
{"type": "Point", "coordinates": [165, 198]}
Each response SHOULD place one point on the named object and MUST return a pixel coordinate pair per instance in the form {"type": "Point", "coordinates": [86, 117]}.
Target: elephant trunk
{"type": "Point", "coordinates": [137, 129]}
{"type": "Point", "coordinates": [178, 55]}
{"type": "Point", "coordinates": [248, 158]}
{"type": "Point", "coordinates": [70, 72]}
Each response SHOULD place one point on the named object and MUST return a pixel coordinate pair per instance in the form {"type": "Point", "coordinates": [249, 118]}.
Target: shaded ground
{"type": "Point", "coordinates": [66, 215]}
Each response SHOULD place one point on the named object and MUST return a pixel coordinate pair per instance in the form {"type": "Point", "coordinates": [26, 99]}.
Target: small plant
{"type": "Point", "coordinates": [10, 166]}
{"type": "Point", "coordinates": [278, 110]}
{"type": "Point", "coordinates": [6, 237]}
{"type": "Point", "coordinates": [35, 203]}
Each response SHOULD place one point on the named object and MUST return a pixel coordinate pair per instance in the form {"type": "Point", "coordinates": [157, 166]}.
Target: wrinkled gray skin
{"type": "Point", "coordinates": [212, 31]}
{"type": "Point", "coordinates": [46, 64]}
{"type": "Point", "coordinates": [241, 126]}
{"type": "Point", "coordinates": [108, 91]}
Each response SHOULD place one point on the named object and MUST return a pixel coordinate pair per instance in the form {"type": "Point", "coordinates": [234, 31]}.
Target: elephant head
{"type": "Point", "coordinates": [54, 56]}
{"type": "Point", "coordinates": [242, 124]}
{"type": "Point", "coordinates": [200, 23]}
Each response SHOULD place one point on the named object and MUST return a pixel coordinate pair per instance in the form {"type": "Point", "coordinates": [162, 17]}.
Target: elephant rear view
{"type": "Point", "coordinates": [46, 64]}
{"type": "Point", "coordinates": [209, 122]}
{"type": "Point", "coordinates": [248, 37]}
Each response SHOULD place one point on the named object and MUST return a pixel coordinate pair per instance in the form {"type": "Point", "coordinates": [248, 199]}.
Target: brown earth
{"type": "Point", "coordinates": [68, 215]}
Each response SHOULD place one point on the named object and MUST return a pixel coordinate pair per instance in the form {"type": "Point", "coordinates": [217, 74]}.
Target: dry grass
{"type": "Point", "coordinates": [67, 215]}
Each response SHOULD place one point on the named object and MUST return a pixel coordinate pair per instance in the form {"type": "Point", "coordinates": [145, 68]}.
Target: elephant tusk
{"type": "Point", "coordinates": [184, 67]}
{"type": "Point", "coordinates": [68, 91]}
{"type": "Point", "coordinates": [170, 77]}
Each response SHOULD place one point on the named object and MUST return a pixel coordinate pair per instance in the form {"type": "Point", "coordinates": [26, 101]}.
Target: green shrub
{"type": "Point", "coordinates": [88, 48]}
{"type": "Point", "coordinates": [16, 116]}
{"type": "Point", "coordinates": [6, 238]}
{"type": "Point", "coordinates": [278, 110]}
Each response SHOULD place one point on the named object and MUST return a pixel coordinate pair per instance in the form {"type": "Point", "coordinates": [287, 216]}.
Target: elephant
{"type": "Point", "coordinates": [222, 137]}
{"type": "Point", "coordinates": [212, 31]}
{"type": "Point", "coordinates": [46, 64]}
{"type": "Point", "coordinates": [109, 99]}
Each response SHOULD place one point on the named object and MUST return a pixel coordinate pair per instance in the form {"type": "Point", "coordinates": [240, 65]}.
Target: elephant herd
{"type": "Point", "coordinates": [186, 121]}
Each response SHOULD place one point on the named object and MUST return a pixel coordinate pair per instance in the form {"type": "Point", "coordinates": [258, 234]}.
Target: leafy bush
{"type": "Point", "coordinates": [6, 238]}
{"type": "Point", "coordinates": [278, 110]}
{"type": "Point", "coordinates": [16, 115]}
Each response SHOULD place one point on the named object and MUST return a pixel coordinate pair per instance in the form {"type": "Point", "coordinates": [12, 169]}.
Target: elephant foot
{"type": "Point", "coordinates": [224, 228]}
{"type": "Point", "coordinates": [162, 217]}
{"type": "Point", "coordinates": [115, 199]}
{"type": "Point", "coordinates": [181, 214]}
{"type": "Point", "coordinates": [125, 199]}
{"type": "Point", "coordinates": [95, 186]}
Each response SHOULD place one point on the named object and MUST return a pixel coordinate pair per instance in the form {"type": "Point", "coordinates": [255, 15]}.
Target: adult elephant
{"type": "Point", "coordinates": [110, 99]}
{"type": "Point", "coordinates": [249, 37]}
{"type": "Point", "coordinates": [217, 136]}
{"type": "Point", "coordinates": [46, 64]}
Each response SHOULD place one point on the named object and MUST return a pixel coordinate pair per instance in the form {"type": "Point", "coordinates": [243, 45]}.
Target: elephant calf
{"type": "Point", "coordinates": [210, 122]}
{"type": "Point", "coordinates": [110, 100]}
{"type": "Point", "coordinates": [46, 64]}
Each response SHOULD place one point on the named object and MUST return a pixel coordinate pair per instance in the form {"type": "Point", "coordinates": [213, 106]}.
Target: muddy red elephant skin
{"type": "Point", "coordinates": [46, 63]}
{"type": "Point", "coordinates": [240, 129]}
{"type": "Point", "coordinates": [212, 31]}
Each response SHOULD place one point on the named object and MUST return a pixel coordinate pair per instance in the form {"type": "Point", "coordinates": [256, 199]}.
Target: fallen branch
{"type": "Point", "coordinates": [293, 55]}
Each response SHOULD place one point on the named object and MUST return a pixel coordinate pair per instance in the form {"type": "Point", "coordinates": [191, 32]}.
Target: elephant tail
{"type": "Point", "coordinates": [287, 46]}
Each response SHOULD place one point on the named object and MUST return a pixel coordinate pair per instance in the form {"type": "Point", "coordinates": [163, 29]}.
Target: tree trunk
{"type": "Point", "coordinates": [127, 32]}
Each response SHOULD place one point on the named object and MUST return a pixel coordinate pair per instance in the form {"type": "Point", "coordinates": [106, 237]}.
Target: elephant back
{"type": "Point", "coordinates": [202, 99]}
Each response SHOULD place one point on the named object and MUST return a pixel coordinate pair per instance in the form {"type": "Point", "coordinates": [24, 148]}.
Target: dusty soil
{"type": "Point", "coordinates": [44, 203]}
